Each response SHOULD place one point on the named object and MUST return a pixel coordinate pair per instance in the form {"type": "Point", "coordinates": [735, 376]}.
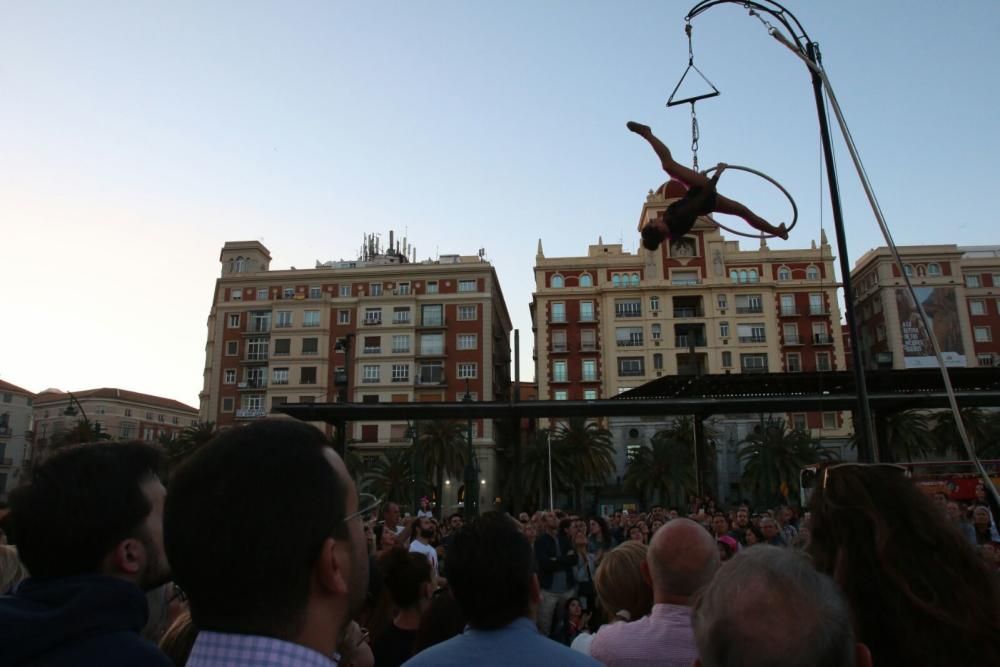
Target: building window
{"type": "Point", "coordinates": [236, 294]}
{"type": "Point", "coordinates": [784, 273]}
{"type": "Point", "coordinates": [658, 362]}
{"type": "Point", "coordinates": [972, 280]}
{"type": "Point", "coordinates": [315, 291]}
{"type": "Point", "coordinates": [467, 313]}
{"type": "Point", "coordinates": [227, 405]}
{"type": "Point", "coordinates": [257, 349]}
{"type": "Point", "coordinates": [279, 376]}
{"type": "Point", "coordinates": [470, 285]}
{"type": "Point", "coordinates": [812, 273]}
{"type": "Point", "coordinates": [908, 270]}
{"type": "Point", "coordinates": [791, 334]}
{"type": "Point", "coordinates": [343, 317]}
{"type": "Point", "coordinates": [586, 311]}
{"type": "Point", "coordinates": [588, 340]}
{"type": "Point", "coordinates": [589, 370]}
{"type": "Point", "coordinates": [232, 348]}
{"type": "Point", "coordinates": [282, 346]}
{"type": "Point", "coordinates": [432, 287]}
{"type": "Point", "coordinates": [561, 395]}
{"type": "Point", "coordinates": [590, 394]}
{"type": "Point", "coordinates": [370, 373]}
{"type": "Point", "coordinates": [985, 359]}
{"type": "Point", "coordinates": [402, 288]}
{"type": "Point", "coordinates": [628, 308]}
{"type": "Point", "coordinates": [822, 361]}
{"type": "Point", "coordinates": [586, 280]}
{"type": "Point", "coordinates": [466, 371]}
{"type": "Point", "coordinates": [749, 303]}
{"type": "Point", "coordinates": [880, 332]}
{"type": "Point", "coordinates": [345, 290]}
{"type": "Point", "coordinates": [307, 375]}
{"type": "Point", "coordinates": [721, 301]}
{"type": "Point", "coordinates": [401, 315]}
{"type": "Point", "coordinates": [310, 318]}
{"type": "Point", "coordinates": [310, 345]}
{"type": "Point", "coordinates": [727, 359]}
{"type": "Point", "coordinates": [432, 315]}
{"type": "Point", "coordinates": [816, 306]}
{"type": "Point", "coordinates": [559, 373]}
{"type": "Point", "coordinates": [375, 289]}
{"type": "Point", "coordinates": [799, 422]}
{"type": "Point", "coordinates": [229, 376]}
{"type": "Point", "coordinates": [283, 319]}
{"type": "Point", "coordinates": [277, 401]}
{"type": "Point", "coordinates": [654, 304]}
{"type": "Point", "coordinates": [933, 269]}
{"type": "Point", "coordinates": [723, 329]}
{"type": "Point", "coordinates": [655, 332]}
{"type": "Point", "coordinates": [558, 337]}
{"type": "Point", "coordinates": [401, 344]}
{"type": "Point", "coordinates": [234, 320]}
{"type": "Point", "coordinates": [829, 420]}
{"type": "Point", "coordinates": [751, 333]}
{"type": "Point", "coordinates": [558, 311]}
{"type": "Point", "coordinates": [793, 362]}
{"type": "Point", "coordinates": [631, 366]}
{"type": "Point", "coordinates": [634, 280]}
{"type": "Point", "coordinates": [373, 345]}
{"type": "Point", "coordinates": [557, 282]}
{"type": "Point", "coordinates": [628, 336]}
{"type": "Point", "coordinates": [400, 372]}
{"type": "Point", "coordinates": [753, 362]}
{"type": "Point", "coordinates": [466, 342]}
{"type": "Point", "coordinates": [262, 294]}
{"type": "Point", "coordinates": [432, 344]}
{"type": "Point", "coordinates": [678, 277]}
{"type": "Point", "coordinates": [373, 316]}
{"type": "Point", "coordinates": [977, 307]}
{"type": "Point", "coordinates": [983, 334]}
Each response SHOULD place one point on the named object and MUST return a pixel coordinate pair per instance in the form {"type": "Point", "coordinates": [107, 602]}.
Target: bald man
{"type": "Point", "coordinates": [682, 558]}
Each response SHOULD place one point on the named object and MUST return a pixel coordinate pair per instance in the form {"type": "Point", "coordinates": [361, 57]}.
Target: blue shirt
{"type": "Point", "coordinates": [516, 644]}
{"type": "Point", "coordinates": [220, 649]}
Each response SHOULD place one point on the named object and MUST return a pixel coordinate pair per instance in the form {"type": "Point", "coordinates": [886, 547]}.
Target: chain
{"type": "Point", "coordinates": [695, 135]}
{"type": "Point", "coordinates": [687, 30]}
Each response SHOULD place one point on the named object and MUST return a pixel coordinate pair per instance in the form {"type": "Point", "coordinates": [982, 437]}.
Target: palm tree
{"type": "Point", "coordinates": [391, 477]}
{"type": "Point", "coordinates": [589, 449]}
{"type": "Point", "coordinates": [83, 431]}
{"type": "Point", "coordinates": [355, 464]}
{"type": "Point", "coordinates": [978, 425]}
{"type": "Point", "coordinates": [666, 468]}
{"type": "Point", "coordinates": [535, 469]}
{"type": "Point", "coordinates": [443, 450]}
{"type": "Point", "coordinates": [773, 456]}
{"type": "Point", "coordinates": [908, 434]}
{"type": "Point", "coordinates": [188, 441]}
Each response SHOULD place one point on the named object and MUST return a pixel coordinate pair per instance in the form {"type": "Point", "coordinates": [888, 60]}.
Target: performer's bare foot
{"type": "Point", "coordinates": [638, 128]}
{"type": "Point", "coordinates": [782, 232]}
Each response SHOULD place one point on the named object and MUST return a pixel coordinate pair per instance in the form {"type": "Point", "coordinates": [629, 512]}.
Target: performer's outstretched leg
{"type": "Point", "coordinates": [676, 170]}
{"type": "Point", "coordinates": [732, 207]}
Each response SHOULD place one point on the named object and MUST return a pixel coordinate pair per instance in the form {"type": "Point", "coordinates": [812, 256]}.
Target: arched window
{"type": "Point", "coordinates": [586, 280]}
{"type": "Point", "coordinates": [784, 273]}
{"type": "Point", "coordinates": [616, 280]}
{"type": "Point", "coordinates": [557, 281]}
{"type": "Point", "coordinates": [933, 269]}
{"type": "Point", "coordinates": [240, 266]}
{"type": "Point", "coordinates": [733, 275]}
{"type": "Point", "coordinates": [743, 275]}
{"type": "Point", "coordinates": [635, 280]}
{"type": "Point", "coordinates": [812, 273]}
{"type": "Point", "coordinates": [908, 269]}
{"type": "Point", "coordinates": [753, 275]}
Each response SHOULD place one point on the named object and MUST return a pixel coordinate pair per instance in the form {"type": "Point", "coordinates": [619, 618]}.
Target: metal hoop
{"type": "Point", "coordinates": [795, 209]}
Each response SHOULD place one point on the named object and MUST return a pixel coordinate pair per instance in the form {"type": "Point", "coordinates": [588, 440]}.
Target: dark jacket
{"type": "Point", "coordinates": [80, 621]}
{"type": "Point", "coordinates": [549, 563]}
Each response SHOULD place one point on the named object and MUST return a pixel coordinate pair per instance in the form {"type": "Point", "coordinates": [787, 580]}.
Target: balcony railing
{"type": "Point", "coordinates": [430, 376]}
{"type": "Point", "coordinates": [629, 342]}
{"type": "Point", "coordinates": [793, 340]}
{"type": "Point", "coordinates": [259, 383]}
{"type": "Point", "coordinates": [250, 413]}
{"type": "Point", "coordinates": [688, 341]}
{"type": "Point", "coordinates": [747, 310]}
{"type": "Point", "coordinates": [560, 347]}
{"type": "Point", "coordinates": [819, 310]}
{"type": "Point", "coordinates": [753, 339]}
{"type": "Point", "coordinates": [628, 313]}
{"type": "Point", "coordinates": [754, 369]}
{"type": "Point", "coordinates": [685, 281]}
{"type": "Point", "coordinates": [256, 356]}
{"type": "Point", "coordinates": [629, 372]}
{"type": "Point", "coordinates": [258, 329]}
{"type": "Point", "coordinates": [688, 312]}
{"type": "Point", "coordinates": [822, 339]}
{"type": "Point", "coordinates": [589, 377]}
{"type": "Point", "coordinates": [588, 347]}
{"type": "Point", "coordinates": [789, 311]}
{"type": "Point", "coordinates": [372, 321]}
{"type": "Point", "coordinates": [433, 321]}
{"type": "Point", "coordinates": [373, 349]}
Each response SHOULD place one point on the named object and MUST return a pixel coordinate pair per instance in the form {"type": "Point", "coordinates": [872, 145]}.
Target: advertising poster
{"type": "Point", "coordinates": [941, 307]}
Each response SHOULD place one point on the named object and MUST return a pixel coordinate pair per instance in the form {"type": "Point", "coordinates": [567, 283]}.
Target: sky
{"type": "Point", "coordinates": [138, 137]}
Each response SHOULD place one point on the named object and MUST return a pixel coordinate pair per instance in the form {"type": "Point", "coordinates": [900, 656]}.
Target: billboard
{"type": "Point", "coordinates": [941, 307]}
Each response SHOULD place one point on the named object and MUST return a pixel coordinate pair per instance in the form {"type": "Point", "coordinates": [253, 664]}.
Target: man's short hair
{"type": "Point", "coordinates": [79, 504]}
{"type": "Point", "coordinates": [769, 606]}
{"type": "Point", "coordinates": [489, 567]}
{"type": "Point", "coordinates": [245, 519]}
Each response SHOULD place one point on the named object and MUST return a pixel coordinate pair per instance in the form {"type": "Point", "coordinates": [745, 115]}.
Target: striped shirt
{"type": "Point", "coordinates": [663, 638]}
{"type": "Point", "coordinates": [219, 649]}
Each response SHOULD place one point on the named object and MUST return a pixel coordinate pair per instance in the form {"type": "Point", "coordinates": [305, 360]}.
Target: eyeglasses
{"type": "Point", "coordinates": [368, 508]}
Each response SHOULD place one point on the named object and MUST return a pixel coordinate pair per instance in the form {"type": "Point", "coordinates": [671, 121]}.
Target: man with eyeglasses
{"type": "Point", "coordinates": [286, 599]}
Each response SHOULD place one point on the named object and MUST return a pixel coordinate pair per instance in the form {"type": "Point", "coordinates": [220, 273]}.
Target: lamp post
{"type": "Point", "coordinates": [70, 411]}
{"type": "Point", "coordinates": [344, 345]}
{"type": "Point", "coordinates": [413, 432]}
{"type": "Point", "coordinates": [471, 481]}
{"type": "Point", "coordinates": [548, 444]}
{"type": "Point", "coordinates": [810, 50]}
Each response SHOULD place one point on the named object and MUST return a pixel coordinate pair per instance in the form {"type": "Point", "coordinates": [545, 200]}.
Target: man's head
{"type": "Point", "coordinates": [769, 527]}
{"type": "Point", "coordinates": [280, 478]}
{"type": "Point", "coordinates": [490, 568]}
{"type": "Point", "coordinates": [390, 513]}
{"type": "Point", "coordinates": [94, 509]}
{"type": "Point", "coordinates": [682, 558]}
{"type": "Point", "coordinates": [742, 517]}
{"type": "Point", "coordinates": [425, 528]}
{"type": "Point", "coordinates": [455, 521]}
{"type": "Point", "coordinates": [745, 614]}
{"type": "Point", "coordinates": [720, 524]}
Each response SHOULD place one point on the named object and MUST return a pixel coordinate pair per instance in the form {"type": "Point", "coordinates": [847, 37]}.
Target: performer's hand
{"type": "Point", "coordinates": [721, 167]}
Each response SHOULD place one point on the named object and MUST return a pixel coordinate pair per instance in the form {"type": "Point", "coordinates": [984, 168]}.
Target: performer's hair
{"type": "Point", "coordinates": [651, 238]}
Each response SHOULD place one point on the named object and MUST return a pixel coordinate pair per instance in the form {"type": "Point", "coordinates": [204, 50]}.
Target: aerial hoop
{"type": "Point", "coordinates": [795, 209]}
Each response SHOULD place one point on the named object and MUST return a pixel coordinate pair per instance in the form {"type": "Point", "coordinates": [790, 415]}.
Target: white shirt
{"type": "Point", "coordinates": [427, 550]}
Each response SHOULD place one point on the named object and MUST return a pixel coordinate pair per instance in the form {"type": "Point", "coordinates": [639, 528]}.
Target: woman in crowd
{"type": "Point", "coordinates": [442, 620]}
{"type": "Point", "coordinates": [635, 535]}
{"type": "Point", "coordinates": [409, 581]}
{"type": "Point", "coordinates": [599, 539]}
{"type": "Point", "coordinates": [574, 621]}
{"type": "Point", "coordinates": [985, 532]}
{"type": "Point", "coordinates": [754, 536]}
{"type": "Point", "coordinates": [583, 572]}
{"type": "Point", "coordinates": [728, 546]}
{"type": "Point", "coordinates": [919, 593]}
{"type": "Point", "coordinates": [622, 593]}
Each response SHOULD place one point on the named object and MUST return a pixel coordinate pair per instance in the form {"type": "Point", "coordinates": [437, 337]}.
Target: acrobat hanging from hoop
{"type": "Point", "coordinates": [701, 198]}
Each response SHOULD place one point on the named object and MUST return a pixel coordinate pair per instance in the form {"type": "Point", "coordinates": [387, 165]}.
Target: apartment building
{"type": "Point", "coordinates": [15, 435]}
{"type": "Point", "coordinates": [381, 328]}
{"type": "Point", "coordinates": [957, 286]}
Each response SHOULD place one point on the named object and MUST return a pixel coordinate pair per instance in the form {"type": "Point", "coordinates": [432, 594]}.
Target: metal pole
{"type": "Point", "coordinates": [863, 429]}
{"type": "Point", "coordinates": [548, 443]}
{"type": "Point", "coordinates": [516, 423]}
{"type": "Point", "coordinates": [417, 467]}
{"type": "Point", "coordinates": [471, 481]}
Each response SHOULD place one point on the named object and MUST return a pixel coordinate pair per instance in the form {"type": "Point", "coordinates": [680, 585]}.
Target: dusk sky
{"type": "Point", "coordinates": [137, 137]}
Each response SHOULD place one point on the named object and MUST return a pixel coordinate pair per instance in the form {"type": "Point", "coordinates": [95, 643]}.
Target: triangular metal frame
{"type": "Point", "coordinates": [715, 91]}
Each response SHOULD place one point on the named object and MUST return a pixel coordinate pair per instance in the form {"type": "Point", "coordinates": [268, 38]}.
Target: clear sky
{"type": "Point", "coordinates": [137, 137]}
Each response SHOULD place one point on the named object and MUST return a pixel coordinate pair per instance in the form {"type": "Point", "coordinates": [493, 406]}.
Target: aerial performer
{"type": "Point", "coordinates": [700, 199]}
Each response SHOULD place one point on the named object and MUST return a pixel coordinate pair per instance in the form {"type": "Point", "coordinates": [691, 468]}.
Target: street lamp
{"type": "Point", "coordinates": [70, 411]}
{"type": "Point", "coordinates": [413, 433]}
{"type": "Point", "coordinates": [548, 444]}
{"type": "Point", "coordinates": [471, 485]}
{"type": "Point", "coordinates": [343, 345]}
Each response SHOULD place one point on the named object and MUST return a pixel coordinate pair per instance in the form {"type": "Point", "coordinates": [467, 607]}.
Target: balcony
{"type": "Point", "coordinates": [628, 313]}
{"type": "Point", "coordinates": [753, 339]}
{"type": "Point", "coordinates": [685, 281]}
{"type": "Point", "coordinates": [754, 369]}
{"type": "Point", "coordinates": [680, 313]}
{"type": "Point", "coordinates": [819, 310]}
{"type": "Point", "coordinates": [630, 342]}
{"type": "Point", "coordinates": [630, 372]}
{"type": "Point", "coordinates": [688, 341]}
{"type": "Point", "coordinates": [431, 352]}
{"type": "Point", "coordinates": [425, 378]}
{"type": "Point", "coordinates": [5, 431]}
{"type": "Point", "coordinates": [749, 310]}
{"type": "Point", "coordinates": [373, 349]}
{"type": "Point", "coordinates": [560, 347]}
{"type": "Point", "coordinates": [255, 358]}
{"type": "Point", "coordinates": [589, 377]}
{"type": "Point", "coordinates": [401, 320]}
{"type": "Point", "coordinates": [340, 379]}
{"type": "Point", "coordinates": [789, 311]}
{"type": "Point", "coordinates": [372, 321]}
{"type": "Point", "coordinates": [822, 339]}
{"type": "Point", "coordinates": [257, 330]}
{"type": "Point", "coordinates": [793, 340]}
{"type": "Point", "coordinates": [402, 380]}
{"type": "Point", "coordinates": [433, 322]}
{"type": "Point", "coordinates": [588, 347]}
{"type": "Point", "coordinates": [250, 413]}
{"type": "Point", "coordinates": [258, 383]}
